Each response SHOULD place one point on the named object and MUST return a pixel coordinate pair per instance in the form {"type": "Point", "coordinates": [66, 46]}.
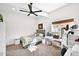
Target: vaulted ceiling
{"type": "Point", "coordinates": [46, 7]}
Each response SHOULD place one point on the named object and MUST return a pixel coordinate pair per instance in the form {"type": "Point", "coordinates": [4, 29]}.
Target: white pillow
{"type": "Point", "coordinates": [40, 34]}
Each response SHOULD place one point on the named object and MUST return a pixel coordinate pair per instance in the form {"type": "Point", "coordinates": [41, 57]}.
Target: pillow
{"type": "Point", "coordinates": [56, 36]}
{"type": "Point", "coordinates": [40, 34]}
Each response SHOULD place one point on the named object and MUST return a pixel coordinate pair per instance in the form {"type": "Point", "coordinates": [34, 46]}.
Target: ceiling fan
{"type": "Point", "coordinates": [30, 10]}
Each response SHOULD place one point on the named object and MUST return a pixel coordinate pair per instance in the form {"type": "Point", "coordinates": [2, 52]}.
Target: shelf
{"type": "Point", "coordinates": [63, 21]}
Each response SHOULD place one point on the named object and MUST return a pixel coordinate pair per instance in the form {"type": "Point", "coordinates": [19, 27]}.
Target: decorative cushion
{"type": "Point", "coordinates": [56, 36]}
{"type": "Point", "coordinates": [40, 34]}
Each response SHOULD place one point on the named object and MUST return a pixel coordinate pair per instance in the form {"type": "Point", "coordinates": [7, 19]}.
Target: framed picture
{"type": "Point", "coordinates": [40, 26]}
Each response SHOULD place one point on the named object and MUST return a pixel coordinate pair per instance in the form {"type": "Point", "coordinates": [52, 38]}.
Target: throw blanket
{"type": "Point", "coordinates": [26, 40]}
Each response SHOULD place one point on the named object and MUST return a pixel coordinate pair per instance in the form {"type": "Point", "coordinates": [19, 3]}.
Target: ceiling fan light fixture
{"type": "Point", "coordinates": [13, 9]}
{"type": "Point", "coordinates": [31, 11]}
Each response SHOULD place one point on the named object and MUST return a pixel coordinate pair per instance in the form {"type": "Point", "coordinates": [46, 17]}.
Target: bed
{"type": "Point", "coordinates": [27, 40]}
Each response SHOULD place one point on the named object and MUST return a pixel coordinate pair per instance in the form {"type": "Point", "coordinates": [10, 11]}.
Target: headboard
{"type": "Point", "coordinates": [41, 31]}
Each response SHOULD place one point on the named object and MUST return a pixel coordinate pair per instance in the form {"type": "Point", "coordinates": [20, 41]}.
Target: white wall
{"type": "Point", "coordinates": [46, 23]}
{"type": "Point", "coordinates": [2, 38]}
{"type": "Point", "coordinates": [17, 25]}
{"type": "Point", "coordinates": [69, 11]}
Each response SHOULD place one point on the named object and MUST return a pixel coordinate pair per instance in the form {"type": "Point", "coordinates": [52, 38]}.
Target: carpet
{"type": "Point", "coordinates": [42, 50]}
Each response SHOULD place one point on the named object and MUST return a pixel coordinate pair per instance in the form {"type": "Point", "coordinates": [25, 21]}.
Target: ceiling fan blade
{"type": "Point", "coordinates": [35, 14]}
{"type": "Point", "coordinates": [28, 14]}
{"type": "Point", "coordinates": [24, 11]}
{"type": "Point", "coordinates": [38, 11]}
{"type": "Point", "coordinates": [30, 7]}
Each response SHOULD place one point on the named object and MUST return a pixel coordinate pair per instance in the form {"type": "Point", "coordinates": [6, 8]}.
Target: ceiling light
{"type": "Point", "coordinates": [13, 8]}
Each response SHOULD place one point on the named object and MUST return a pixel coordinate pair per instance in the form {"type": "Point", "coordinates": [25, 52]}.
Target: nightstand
{"type": "Point", "coordinates": [17, 41]}
{"type": "Point", "coordinates": [47, 40]}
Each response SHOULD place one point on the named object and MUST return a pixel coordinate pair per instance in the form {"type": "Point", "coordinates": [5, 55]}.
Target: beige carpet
{"type": "Point", "coordinates": [42, 50]}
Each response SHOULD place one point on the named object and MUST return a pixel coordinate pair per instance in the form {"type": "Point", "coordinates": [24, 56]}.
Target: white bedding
{"type": "Point", "coordinates": [28, 40]}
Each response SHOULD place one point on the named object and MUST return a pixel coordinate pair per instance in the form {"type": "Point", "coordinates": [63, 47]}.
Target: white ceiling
{"type": "Point", "coordinates": [46, 7]}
